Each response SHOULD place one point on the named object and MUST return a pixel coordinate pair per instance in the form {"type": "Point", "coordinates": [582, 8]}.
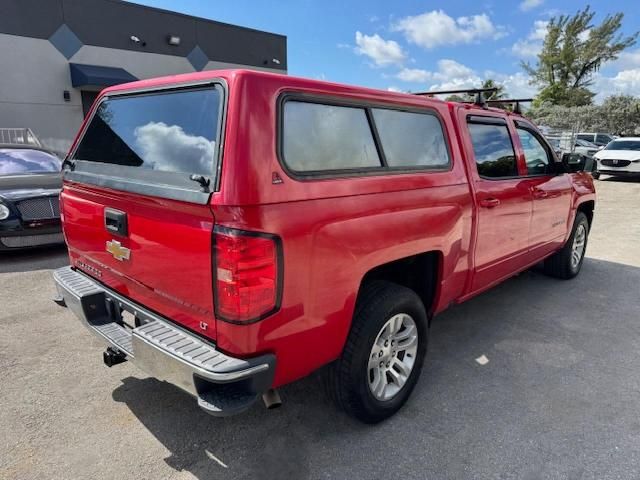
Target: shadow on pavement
{"type": "Point", "coordinates": [555, 399]}
{"type": "Point", "coordinates": [258, 444]}
{"type": "Point", "coordinates": [41, 258]}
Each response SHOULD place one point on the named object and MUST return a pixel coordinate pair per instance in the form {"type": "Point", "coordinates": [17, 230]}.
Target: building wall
{"type": "Point", "coordinates": [34, 77]}
{"type": "Point", "coordinates": [35, 73]}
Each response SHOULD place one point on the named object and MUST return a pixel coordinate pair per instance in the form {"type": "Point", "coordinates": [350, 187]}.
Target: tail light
{"type": "Point", "coordinates": [247, 275]}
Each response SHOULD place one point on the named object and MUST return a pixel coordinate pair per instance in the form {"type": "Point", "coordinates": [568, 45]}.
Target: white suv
{"type": "Point", "coordinates": [620, 157]}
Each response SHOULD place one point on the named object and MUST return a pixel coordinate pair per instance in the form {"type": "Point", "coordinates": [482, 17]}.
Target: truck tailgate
{"type": "Point", "coordinates": [164, 259]}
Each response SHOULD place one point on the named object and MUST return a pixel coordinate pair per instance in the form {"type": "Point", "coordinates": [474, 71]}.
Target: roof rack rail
{"type": "Point", "coordinates": [478, 92]}
{"type": "Point", "coordinates": [514, 101]}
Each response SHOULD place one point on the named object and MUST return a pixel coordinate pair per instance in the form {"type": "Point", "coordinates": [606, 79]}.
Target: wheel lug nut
{"type": "Point", "coordinates": [380, 354]}
{"type": "Point", "coordinates": [381, 364]}
{"type": "Point", "coordinates": [388, 364]}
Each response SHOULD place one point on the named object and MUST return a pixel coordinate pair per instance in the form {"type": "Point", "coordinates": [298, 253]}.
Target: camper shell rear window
{"type": "Point", "coordinates": [166, 137]}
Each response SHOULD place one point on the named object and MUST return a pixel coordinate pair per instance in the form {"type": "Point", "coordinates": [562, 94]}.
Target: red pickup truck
{"type": "Point", "coordinates": [233, 231]}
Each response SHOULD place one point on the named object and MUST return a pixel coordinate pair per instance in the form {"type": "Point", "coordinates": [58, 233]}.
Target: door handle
{"type": "Point", "coordinates": [489, 202]}
{"type": "Point", "coordinates": [539, 193]}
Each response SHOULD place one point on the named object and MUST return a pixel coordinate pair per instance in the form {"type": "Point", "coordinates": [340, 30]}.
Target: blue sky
{"type": "Point", "coordinates": [418, 45]}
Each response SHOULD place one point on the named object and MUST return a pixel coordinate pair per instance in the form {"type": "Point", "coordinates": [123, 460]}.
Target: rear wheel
{"type": "Point", "coordinates": [383, 356]}
{"type": "Point", "coordinates": [567, 262]}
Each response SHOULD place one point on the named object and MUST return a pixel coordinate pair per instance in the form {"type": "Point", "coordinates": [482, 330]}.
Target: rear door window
{"type": "Point", "coordinates": [411, 139]}
{"type": "Point", "coordinates": [318, 137]}
{"type": "Point", "coordinates": [172, 132]}
{"type": "Point", "coordinates": [493, 150]}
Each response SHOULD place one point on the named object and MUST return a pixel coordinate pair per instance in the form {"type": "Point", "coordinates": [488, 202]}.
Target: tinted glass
{"type": "Point", "coordinates": [535, 154]}
{"type": "Point", "coordinates": [493, 150]}
{"type": "Point", "coordinates": [411, 139]}
{"type": "Point", "coordinates": [623, 145]}
{"type": "Point", "coordinates": [20, 161]}
{"type": "Point", "coordinates": [588, 138]}
{"type": "Point", "coordinates": [326, 137]}
{"type": "Point", "coordinates": [602, 139]}
{"type": "Point", "coordinates": [171, 132]}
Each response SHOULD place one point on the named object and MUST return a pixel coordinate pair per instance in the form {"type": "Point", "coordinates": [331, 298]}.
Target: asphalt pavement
{"type": "Point", "coordinates": [558, 399]}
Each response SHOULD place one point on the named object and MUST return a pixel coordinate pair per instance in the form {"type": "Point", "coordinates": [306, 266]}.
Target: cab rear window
{"type": "Point", "coordinates": [174, 131]}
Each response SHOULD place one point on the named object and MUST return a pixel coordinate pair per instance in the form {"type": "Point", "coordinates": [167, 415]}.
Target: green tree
{"type": "Point", "coordinates": [621, 114]}
{"type": "Point", "coordinates": [573, 50]}
{"type": "Point", "coordinates": [499, 94]}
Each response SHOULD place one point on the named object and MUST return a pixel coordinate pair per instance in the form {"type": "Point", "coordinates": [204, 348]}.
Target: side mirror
{"type": "Point", "coordinates": [574, 162]}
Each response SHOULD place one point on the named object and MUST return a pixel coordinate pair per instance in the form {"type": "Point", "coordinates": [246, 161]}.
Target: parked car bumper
{"type": "Point", "coordinates": [16, 235]}
{"type": "Point", "coordinates": [223, 385]}
{"type": "Point", "coordinates": [621, 173]}
{"type": "Point", "coordinates": [632, 168]}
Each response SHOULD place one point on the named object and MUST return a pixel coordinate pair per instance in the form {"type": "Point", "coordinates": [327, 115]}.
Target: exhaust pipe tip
{"type": "Point", "coordinates": [271, 399]}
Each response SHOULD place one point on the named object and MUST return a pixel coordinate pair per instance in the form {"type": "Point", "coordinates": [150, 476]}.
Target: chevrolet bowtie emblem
{"type": "Point", "coordinates": [119, 252]}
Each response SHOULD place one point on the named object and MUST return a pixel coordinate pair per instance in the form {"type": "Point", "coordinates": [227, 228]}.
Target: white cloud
{"type": "Point", "coordinates": [584, 35]}
{"type": "Point", "coordinates": [449, 74]}
{"type": "Point", "coordinates": [532, 44]}
{"type": "Point", "coordinates": [539, 30]}
{"type": "Point", "coordinates": [457, 83]}
{"type": "Point", "coordinates": [516, 85]}
{"type": "Point", "coordinates": [452, 75]}
{"type": "Point", "coordinates": [382, 52]}
{"type": "Point", "coordinates": [393, 89]}
{"type": "Point", "coordinates": [527, 5]}
{"type": "Point", "coordinates": [414, 75]}
{"type": "Point", "coordinates": [435, 28]}
{"type": "Point", "coordinates": [526, 49]}
{"type": "Point", "coordinates": [624, 82]}
{"type": "Point", "coordinates": [628, 60]}
{"type": "Point", "coordinates": [163, 145]}
{"type": "Point", "coordinates": [450, 68]}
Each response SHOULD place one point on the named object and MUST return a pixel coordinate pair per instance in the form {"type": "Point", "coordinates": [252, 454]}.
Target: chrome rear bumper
{"type": "Point", "coordinates": [222, 384]}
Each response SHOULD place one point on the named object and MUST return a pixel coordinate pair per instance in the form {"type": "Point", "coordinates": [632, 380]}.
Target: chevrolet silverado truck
{"type": "Point", "coordinates": [233, 231]}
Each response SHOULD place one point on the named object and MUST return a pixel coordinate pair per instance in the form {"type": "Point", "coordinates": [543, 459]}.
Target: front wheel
{"type": "Point", "coordinates": [382, 359]}
{"type": "Point", "coordinates": [566, 263]}
{"type": "Point", "coordinates": [595, 175]}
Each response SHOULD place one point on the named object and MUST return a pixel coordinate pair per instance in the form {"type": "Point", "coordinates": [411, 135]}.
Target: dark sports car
{"type": "Point", "coordinates": [30, 183]}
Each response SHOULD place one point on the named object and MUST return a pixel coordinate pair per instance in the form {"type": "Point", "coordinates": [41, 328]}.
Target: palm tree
{"type": "Point", "coordinates": [499, 94]}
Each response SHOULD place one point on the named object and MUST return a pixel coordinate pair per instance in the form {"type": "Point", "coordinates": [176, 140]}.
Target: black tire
{"type": "Point", "coordinates": [346, 380]}
{"type": "Point", "coordinates": [595, 175]}
{"type": "Point", "coordinates": [559, 265]}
